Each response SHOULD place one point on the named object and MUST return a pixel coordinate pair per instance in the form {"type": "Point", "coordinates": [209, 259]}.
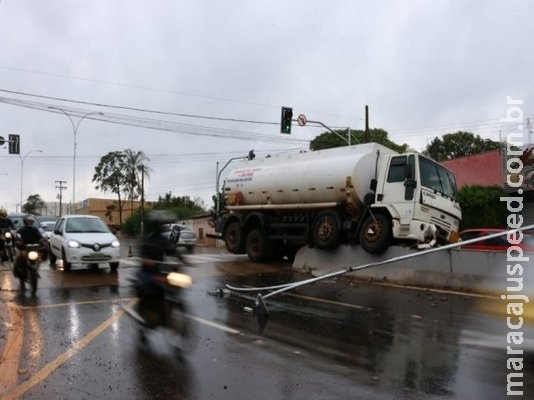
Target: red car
{"type": "Point", "coordinates": [499, 243]}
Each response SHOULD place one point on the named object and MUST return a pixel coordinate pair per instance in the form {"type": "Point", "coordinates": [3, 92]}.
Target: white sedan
{"type": "Point", "coordinates": [83, 239]}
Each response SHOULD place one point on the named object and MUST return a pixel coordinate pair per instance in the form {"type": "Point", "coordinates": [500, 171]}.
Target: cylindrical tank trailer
{"type": "Point", "coordinates": [325, 176]}
{"type": "Point", "coordinates": [365, 193]}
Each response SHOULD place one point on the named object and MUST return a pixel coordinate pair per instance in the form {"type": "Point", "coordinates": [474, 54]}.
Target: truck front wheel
{"type": "Point", "coordinates": [233, 238]}
{"type": "Point", "coordinates": [375, 235]}
{"type": "Point", "coordinates": [257, 245]}
{"type": "Point", "coordinates": [326, 230]}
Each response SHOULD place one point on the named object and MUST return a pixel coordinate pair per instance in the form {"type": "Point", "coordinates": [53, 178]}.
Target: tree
{"type": "Point", "coordinates": [111, 175]}
{"type": "Point", "coordinates": [329, 139]}
{"type": "Point", "coordinates": [181, 207]}
{"type": "Point", "coordinates": [34, 204]}
{"type": "Point", "coordinates": [458, 144]}
{"type": "Point", "coordinates": [136, 173]}
{"type": "Point", "coordinates": [481, 207]}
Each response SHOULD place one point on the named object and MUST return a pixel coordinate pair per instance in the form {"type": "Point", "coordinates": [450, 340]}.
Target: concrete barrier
{"type": "Point", "coordinates": [454, 269]}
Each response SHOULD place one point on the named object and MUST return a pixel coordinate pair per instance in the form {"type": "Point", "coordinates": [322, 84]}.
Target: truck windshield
{"type": "Point", "coordinates": [437, 178]}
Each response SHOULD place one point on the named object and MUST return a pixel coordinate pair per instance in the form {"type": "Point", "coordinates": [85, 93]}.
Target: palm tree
{"type": "Point", "coordinates": [136, 172]}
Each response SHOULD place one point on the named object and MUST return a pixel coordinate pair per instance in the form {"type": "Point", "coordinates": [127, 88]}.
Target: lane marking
{"type": "Point", "coordinates": [333, 302]}
{"type": "Point", "coordinates": [9, 364]}
{"type": "Point", "coordinates": [44, 372]}
{"type": "Point", "coordinates": [214, 325]}
{"type": "Point", "coordinates": [77, 303]}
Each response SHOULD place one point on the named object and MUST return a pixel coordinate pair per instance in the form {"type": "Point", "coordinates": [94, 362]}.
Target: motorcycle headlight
{"type": "Point", "coordinates": [74, 243]}
{"type": "Point", "coordinates": [178, 279]}
{"type": "Point", "coordinates": [33, 255]}
{"type": "Point", "coordinates": [7, 235]}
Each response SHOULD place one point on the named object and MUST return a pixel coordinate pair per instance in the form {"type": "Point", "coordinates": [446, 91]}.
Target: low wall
{"type": "Point", "coordinates": [462, 270]}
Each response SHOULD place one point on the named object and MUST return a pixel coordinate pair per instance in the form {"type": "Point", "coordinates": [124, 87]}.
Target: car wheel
{"type": "Point", "coordinates": [67, 266]}
{"type": "Point", "coordinates": [53, 259]}
{"type": "Point", "coordinates": [114, 266]}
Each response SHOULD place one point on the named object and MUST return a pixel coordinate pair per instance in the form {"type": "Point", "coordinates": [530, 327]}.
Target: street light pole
{"type": "Point", "coordinates": [217, 181]}
{"type": "Point", "coordinates": [75, 130]}
{"type": "Point", "coordinates": [22, 159]}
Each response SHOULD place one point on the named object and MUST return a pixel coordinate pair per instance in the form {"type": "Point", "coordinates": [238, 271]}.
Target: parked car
{"type": "Point", "coordinates": [499, 243]}
{"type": "Point", "coordinates": [18, 220]}
{"type": "Point", "coordinates": [83, 239]}
{"type": "Point", "coordinates": [42, 218]}
{"type": "Point", "coordinates": [47, 227]}
{"type": "Point", "coordinates": [187, 236]}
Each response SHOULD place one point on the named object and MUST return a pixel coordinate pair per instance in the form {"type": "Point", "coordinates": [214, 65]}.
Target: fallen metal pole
{"type": "Point", "coordinates": [260, 300]}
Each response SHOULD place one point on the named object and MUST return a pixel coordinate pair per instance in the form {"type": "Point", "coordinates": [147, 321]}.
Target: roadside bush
{"type": "Point", "coordinates": [481, 207]}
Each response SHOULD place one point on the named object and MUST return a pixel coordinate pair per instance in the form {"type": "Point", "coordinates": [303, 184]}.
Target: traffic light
{"type": "Point", "coordinates": [14, 144]}
{"type": "Point", "coordinates": [285, 123]}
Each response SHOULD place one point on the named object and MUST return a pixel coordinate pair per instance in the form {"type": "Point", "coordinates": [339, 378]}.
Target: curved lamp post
{"type": "Point", "coordinates": [75, 130]}
{"type": "Point", "coordinates": [219, 172]}
{"type": "Point", "coordinates": [22, 159]}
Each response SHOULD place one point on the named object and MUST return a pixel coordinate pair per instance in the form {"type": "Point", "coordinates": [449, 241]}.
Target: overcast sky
{"type": "Point", "coordinates": [196, 82]}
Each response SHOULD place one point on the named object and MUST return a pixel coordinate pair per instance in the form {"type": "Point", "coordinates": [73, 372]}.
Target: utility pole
{"type": "Point", "coordinates": [60, 195]}
{"type": "Point", "coordinates": [366, 135]}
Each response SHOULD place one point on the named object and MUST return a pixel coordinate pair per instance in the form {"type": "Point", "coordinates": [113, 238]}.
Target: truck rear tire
{"type": "Point", "coordinates": [326, 231]}
{"type": "Point", "coordinates": [233, 238]}
{"type": "Point", "coordinates": [375, 234]}
{"type": "Point", "coordinates": [257, 246]}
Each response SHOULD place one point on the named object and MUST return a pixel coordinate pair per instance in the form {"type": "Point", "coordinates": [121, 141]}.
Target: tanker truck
{"type": "Point", "coordinates": [366, 194]}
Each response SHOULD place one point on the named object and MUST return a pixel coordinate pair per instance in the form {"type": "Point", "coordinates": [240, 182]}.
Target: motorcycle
{"type": "Point", "coordinates": [26, 267]}
{"type": "Point", "coordinates": [8, 251]}
{"type": "Point", "coordinates": [162, 305]}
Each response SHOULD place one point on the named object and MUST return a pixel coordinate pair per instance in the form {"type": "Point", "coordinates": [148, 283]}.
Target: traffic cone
{"type": "Point", "coordinates": [130, 251]}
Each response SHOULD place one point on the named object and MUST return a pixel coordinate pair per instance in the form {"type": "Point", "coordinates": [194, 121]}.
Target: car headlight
{"type": "Point", "coordinates": [115, 243]}
{"type": "Point", "coordinates": [74, 244]}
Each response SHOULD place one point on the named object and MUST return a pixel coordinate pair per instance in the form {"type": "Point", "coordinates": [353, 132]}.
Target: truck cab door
{"type": "Point", "coordinates": [399, 186]}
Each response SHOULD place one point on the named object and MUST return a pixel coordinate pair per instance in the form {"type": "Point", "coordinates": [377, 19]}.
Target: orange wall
{"type": "Point", "coordinates": [478, 169]}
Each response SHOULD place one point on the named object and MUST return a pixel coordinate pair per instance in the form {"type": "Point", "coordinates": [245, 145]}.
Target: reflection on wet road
{"type": "Point", "coordinates": [330, 340]}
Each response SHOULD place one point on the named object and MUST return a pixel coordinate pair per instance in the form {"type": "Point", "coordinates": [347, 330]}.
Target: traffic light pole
{"type": "Point", "coordinates": [347, 139]}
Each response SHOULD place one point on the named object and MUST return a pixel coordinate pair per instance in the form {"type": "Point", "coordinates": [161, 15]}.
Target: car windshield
{"type": "Point", "coordinates": [85, 225]}
{"type": "Point", "coordinates": [18, 220]}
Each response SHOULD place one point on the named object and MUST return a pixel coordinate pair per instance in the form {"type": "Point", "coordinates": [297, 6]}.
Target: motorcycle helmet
{"type": "Point", "coordinates": [160, 217]}
{"type": "Point", "coordinates": [28, 221]}
{"type": "Point", "coordinates": [3, 213]}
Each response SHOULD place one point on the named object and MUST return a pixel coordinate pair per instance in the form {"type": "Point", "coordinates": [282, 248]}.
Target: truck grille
{"type": "Point", "coordinates": [441, 223]}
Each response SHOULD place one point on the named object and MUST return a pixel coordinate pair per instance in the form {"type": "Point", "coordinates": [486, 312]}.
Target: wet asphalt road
{"type": "Point", "coordinates": [332, 340]}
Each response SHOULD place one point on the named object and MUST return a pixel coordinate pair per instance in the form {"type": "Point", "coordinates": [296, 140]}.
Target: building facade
{"type": "Point", "coordinates": [495, 168]}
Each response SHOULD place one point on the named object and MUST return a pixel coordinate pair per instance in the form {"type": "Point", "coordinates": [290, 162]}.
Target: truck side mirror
{"type": "Point", "coordinates": [407, 171]}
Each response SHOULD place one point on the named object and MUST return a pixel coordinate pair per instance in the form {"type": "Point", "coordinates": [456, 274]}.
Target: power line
{"type": "Point", "coordinates": [155, 124]}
